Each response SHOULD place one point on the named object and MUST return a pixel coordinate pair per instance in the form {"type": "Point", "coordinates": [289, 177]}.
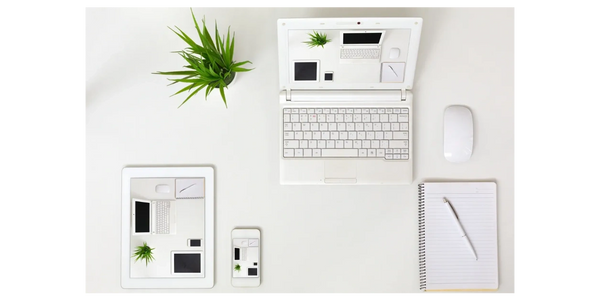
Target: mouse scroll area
{"type": "Point", "coordinates": [458, 133]}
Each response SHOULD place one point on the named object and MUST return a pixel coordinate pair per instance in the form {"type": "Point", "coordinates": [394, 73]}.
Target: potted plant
{"type": "Point", "coordinates": [144, 253]}
{"type": "Point", "coordinates": [237, 267]}
{"type": "Point", "coordinates": [210, 64]}
{"type": "Point", "coordinates": [317, 39]}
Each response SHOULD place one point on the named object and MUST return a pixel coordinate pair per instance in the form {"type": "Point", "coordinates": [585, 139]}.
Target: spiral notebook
{"type": "Point", "coordinates": [446, 262]}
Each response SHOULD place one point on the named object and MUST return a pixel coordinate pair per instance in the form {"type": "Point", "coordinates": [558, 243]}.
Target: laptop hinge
{"type": "Point", "coordinates": [288, 95]}
{"type": "Point", "coordinates": [345, 95]}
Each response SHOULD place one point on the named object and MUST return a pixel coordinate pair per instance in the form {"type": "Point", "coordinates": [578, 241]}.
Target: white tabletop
{"type": "Point", "coordinates": [314, 238]}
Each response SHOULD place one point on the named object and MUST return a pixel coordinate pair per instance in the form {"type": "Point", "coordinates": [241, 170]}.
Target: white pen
{"type": "Point", "coordinates": [460, 228]}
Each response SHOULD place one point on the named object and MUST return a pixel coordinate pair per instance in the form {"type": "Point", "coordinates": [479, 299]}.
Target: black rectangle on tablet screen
{"type": "Point", "coordinates": [142, 216]}
{"type": "Point", "coordinates": [305, 71]}
{"type": "Point", "coordinates": [187, 263]}
{"type": "Point", "coordinates": [237, 254]}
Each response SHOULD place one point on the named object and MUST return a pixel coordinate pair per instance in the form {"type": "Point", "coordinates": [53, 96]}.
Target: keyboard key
{"type": "Point", "coordinates": [386, 126]}
{"type": "Point", "coordinates": [305, 126]}
{"type": "Point", "coordinates": [403, 126]}
{"type": "Point", "coordinates": [371, 153]}
{"type": "Point", "coordinates": [287, 110]}
{"type": "Point", "coordinates": [341, 126]}
{"type": "Point", "coordinates": [295, 118]}
{"type": "Point", "coordinates": [404, 151]}
{"type": "Point", "coordinates": [286, 118]}
{"type": "Point", "coordinates": [393, 118]}
{"type": "Point", "coordinates": [296, 126]}
{"type": "Point", "coordinates": [312, 144]}
{"type": "Point", "coordinates": [316, 153]}
{"type": "Point", "coordinates": [332, 126]}
{"type": "Point", "coordinates": [316, 135]}
{"type": "Point", "coordinates": [368, 126]}
{"type": "Point", "coordinates": [348, 144]}
{"type": "Point", "coordinates": [400, 135]}
{"type": "Point", "coordinates": [403, 156]}
{"type": "Point", "coordinates": [396, 110]}
{"type": "Point", "coordinates": [350, 126]}
{"type": "Point", "coordinates": [321, 118]}
{"type": "Point", "coordinates": [376, 126]}
{"type": "Point", "coordinates": [343, 135]}
{"type": "Point", "coordinates": [298, 152]}
{"type": "Point", "coordinates": [384, 144]}
{"type": "Point", "coordinates": [287, 126]}
{"type": "Point", "coordinates": [359, 126]}
{"type": "Point", "coordinates": [395, 126]}
{"type": "Point", "coordinates": [334, 135]}
{"type": "Point", "coordinates": [375, 118]}
{"type": "Point", "coordinates": [375, 144]}
{"type": "Point", "coordinates": [402, 118]}
{"type": "Point", "coordinates": [339, 144]}
{"type": "Point", "coordinates": [321, 144]}
{"type": "Point", "coordinates": [307, 135]}
{"type": "Point", "coordinates": [314, 126]}
{"type": "Point", "coordinates": [339, 118]}
{"type": "Point", "coordinates": [323, 126]}
{"type": "Point", "coordinates": [330, 118]}
{"type": "Point", "coordinates": [312, 118]}
{"type": "Point", "coordinates": [304, 117]}
{"type": "Point", "coordinates": [383, 118]}
{"type": "Point", "coordinates": [389, 156]}
{"type": "Point", "coordinates": [298, 135]}
{"type": "Point", "coordinates": [288, 152]}
{"type": "Point", "coordinates": [303, 144]}
{"type": "Point", "coordinates": [380, 153]}
{"type": "Point", "coordinates": [398, 144]}
{"type": "Point", "coordinates": [325, 135]}
{"type": "Point", "coordinates": [404, 110]}
{"type": "Point", "coordinates": [303, 110]}
{"type": "Point", "coordinates": [288, 135]}
{"type": "Point", "coordinates": [330, 144]}
{"type": "Point", "coordinates": [307, 153]}
{"type": "Point", "coordinates": [379, 135]}
{"type": "Point", "coordinates": [361, 135]}
{"type": "Point", "coordinates": [348, 118]}
{"type": "Point", "coordinates": [362, 153]}
{"type": "Point", "coordinates": [357, 144]}
{"type": "Point", "coordinates": [352, 135]}
{"type": "Point", "coordinates": [294, 110]}
{"type": "Point", "coordinates": [366, 144]}
{"type": "Point", "coordinates": [366, 118]}
{"type": "Point", "coordinates": [291, 144]}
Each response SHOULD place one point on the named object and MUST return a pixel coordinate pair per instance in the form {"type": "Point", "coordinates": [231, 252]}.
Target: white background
{"type": "Point", "coordinates": [314, 238]}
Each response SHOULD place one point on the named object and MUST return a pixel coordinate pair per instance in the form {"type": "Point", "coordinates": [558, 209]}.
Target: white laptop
{"type": "Point", "coordinates": [361, 46]}
{"type": "Point", "coordinates": [347, 120]}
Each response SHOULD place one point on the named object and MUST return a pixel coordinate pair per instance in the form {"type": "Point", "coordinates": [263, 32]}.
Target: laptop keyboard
{"type": "Point", "coordinates": [353, 53]}
{"type": "Point", "coordinates": [163, 214]}
{"type": "Point", "coordinates": [378, 133]}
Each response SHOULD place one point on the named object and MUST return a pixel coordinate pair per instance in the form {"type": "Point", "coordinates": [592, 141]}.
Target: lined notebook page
{"type": "Point", "coordinates": [449, 264]}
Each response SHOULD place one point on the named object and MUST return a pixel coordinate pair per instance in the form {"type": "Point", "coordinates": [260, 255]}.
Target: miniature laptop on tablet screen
{"type": "Point", "coordinates": [171, 210]}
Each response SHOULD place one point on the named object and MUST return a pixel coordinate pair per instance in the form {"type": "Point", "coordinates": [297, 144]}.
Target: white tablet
{"type": "Point", "coordinates": [180, 198]}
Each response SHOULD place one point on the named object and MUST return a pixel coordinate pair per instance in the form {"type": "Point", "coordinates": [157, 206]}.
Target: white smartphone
{"type": "Point", "coordinates": [245, 257]}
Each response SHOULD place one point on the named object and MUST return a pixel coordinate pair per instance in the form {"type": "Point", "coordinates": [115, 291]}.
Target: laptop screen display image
{"type": "Point", "coordinates": [142, 217]}
{"type": "Point", "coordinates": [369, 38]}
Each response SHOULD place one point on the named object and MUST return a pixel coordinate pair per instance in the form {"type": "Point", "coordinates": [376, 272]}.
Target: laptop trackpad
{"type": "Point", "coordinates": [340, 171]}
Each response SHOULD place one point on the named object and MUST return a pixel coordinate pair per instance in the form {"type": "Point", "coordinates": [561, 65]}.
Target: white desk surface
{"type": "Point", "coordinates": [314, 238]}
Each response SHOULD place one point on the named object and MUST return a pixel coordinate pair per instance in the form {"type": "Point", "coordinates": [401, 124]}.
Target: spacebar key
{"type": "Point", "coordinates": [339, 152]}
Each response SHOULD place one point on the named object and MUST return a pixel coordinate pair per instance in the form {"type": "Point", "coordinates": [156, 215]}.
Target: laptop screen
{"type": "Point", "coordinates": [142, 217]}
{"type": "Point", "coordinates": [361, 38]}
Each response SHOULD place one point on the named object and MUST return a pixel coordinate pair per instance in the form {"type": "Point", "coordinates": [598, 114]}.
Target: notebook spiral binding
{"type": "Point", "coordinates": [422, 262]}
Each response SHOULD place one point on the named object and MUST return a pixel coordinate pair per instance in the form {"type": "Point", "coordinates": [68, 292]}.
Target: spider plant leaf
{"type": "Point", "coordinates": [231, 47]}
{"type": "Point", "coordinates": [191, 86]}
{"type": "Point", "coordinates": [186, 77]}
{"type": "Point", "coordinates": [237, 66]}
{"type": "Point", "coordinates": [209, 89]}
{"type": "Point", "coordinates": [190, 96]}
{"type": "Point", "coordinates": [218, 39]}
{"type": "Point", "coordinates": [188, 80]}
{"type": "Point", "coordinates": [221, 90]}
{"type": "Point", "coordinates": [196, 23]}
{"type": "Point", "coordinates": [176, 73]}
{"type": "Point", "coordinates": [187, 39]}
{"type": "Point", "coordinates": [212, 72]}
{"type": "Point", "coordinates": [206, 39]}
{"type": "Point", "coordinates": [227, 57]}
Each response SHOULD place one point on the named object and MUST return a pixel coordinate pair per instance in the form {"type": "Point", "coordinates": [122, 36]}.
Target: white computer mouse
{"type": "Point", "coordinates": [162, 188]}
{"type": "Point", "coordinates": [394, 52]}
{"type": "Point", "coordinates": [458, 133]}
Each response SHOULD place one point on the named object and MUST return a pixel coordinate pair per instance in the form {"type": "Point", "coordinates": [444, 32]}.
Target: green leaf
{"type": "Point", "coordinates": [186, 38]}
{"type": "Point", "coordinates": [223, 95]}
{"type": "Point", "coordinates": [190, 96]}
{"type": "Point", "coordinates": [177, 73]}
{"type": "Point", "coordinates": [231, 47]}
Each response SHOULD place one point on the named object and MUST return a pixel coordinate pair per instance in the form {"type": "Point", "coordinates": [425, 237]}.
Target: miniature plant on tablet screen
{"type": "Point", "coordinates": [317, 39]}
{"type": "Point", "coordinates": [144, 253]}
{"type": "Point", "coordinates": [237, 267]}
